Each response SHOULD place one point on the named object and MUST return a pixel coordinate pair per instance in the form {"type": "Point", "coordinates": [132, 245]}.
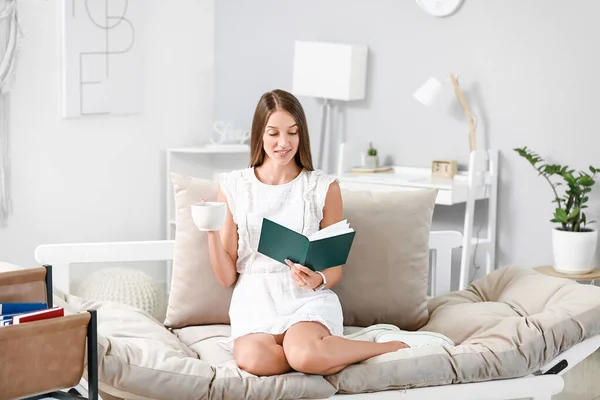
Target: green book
{"type": "Point", "coordinates": [326, 248]}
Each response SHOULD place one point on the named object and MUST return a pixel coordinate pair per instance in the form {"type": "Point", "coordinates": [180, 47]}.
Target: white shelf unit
{"type": "Point", "coordinates": [199, 162]}
{"type": "Point", "coordinates": [478, 182]}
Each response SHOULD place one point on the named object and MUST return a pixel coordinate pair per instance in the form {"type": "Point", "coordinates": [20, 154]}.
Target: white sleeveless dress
{"type": "Point", "coordinates": [266, 298]}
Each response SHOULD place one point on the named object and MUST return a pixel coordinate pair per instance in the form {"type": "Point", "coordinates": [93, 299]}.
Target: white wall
{"type": "Point", "coordinates": [102, 179]}
{"type": "Point", "coordinates": [529, 69]}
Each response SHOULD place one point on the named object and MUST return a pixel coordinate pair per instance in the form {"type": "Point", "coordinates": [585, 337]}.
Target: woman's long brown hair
{"type": "Point", "coordinates": [279, 100]}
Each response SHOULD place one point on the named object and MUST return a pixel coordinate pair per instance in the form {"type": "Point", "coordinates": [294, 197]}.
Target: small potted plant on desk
{"type": "Point", "coordinates": [371, 160]}
{"type": "Point", "coordinates": [573, 243]}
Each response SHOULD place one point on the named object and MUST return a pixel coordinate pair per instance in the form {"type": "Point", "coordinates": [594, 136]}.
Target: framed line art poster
{"type": "Point", "coordinates": [102, 51]}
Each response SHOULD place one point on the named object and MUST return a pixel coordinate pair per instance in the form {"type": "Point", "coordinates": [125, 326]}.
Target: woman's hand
{"type": "Point", "coordinates": [304, 276]}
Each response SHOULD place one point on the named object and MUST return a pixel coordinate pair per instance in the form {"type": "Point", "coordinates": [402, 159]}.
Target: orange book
{"type": "Point", "coordinates": [39, 315]}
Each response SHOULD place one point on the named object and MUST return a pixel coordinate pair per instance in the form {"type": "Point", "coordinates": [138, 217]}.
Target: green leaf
{"type": "Point", "coordinates": [586, 180]}
{"type": "Point", "coordinates": [561, 215]}
{"type": "Point", "coordinates": [574, 214]}
{"type": "Point", "coordinates": [583, 218]}
{"type": "Point", "coordinates": [570, 179]}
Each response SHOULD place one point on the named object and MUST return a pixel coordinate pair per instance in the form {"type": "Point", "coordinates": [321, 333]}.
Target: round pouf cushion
{"type": "Point", "coordinates": [126, 286]}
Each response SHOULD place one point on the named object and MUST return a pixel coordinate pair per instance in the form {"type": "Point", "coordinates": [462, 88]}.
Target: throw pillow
{"type": "Point", "coordinates": [386, 275]}
{"type": "Point", "coordinates": [196, 297]}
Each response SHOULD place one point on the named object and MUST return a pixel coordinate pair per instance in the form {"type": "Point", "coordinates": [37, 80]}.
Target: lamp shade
{"type": "Point", "coordinates": [427, 93]}
{"type": "Point", "coordinates": [333, 71]}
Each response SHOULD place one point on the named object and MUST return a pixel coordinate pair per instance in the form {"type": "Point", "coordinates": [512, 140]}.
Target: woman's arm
{"type": "Point", "coordinates": [223, 246]}
{"type": "Point", "coordinates": [333, 211]}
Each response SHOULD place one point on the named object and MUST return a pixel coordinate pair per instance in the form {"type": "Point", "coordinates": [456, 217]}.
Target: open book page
{"type": "Point", "coordinates": [339, 228]}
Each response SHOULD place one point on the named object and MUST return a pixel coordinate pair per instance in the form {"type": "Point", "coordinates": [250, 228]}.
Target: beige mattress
{"type": "Point", "coordinates": [507, 324]}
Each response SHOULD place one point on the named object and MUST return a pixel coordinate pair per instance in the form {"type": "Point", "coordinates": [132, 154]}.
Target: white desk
{"type": "Point", "coordinates": [479, 182]}
{"type": "Point", "coordinates": [450, 191]}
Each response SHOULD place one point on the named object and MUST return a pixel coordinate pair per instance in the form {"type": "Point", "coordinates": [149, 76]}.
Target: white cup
{"type": "Point", "coordinates": [209, 215]}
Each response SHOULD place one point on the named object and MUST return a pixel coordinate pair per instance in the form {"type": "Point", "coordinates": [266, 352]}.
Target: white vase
{"type": "Point", "coordinates": [574, 251]}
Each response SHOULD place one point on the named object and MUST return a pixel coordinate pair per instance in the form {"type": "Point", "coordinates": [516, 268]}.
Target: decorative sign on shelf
{"type": "Point", "coordinates": [444, 169]}
{"type": "Point", "coordinates": [226, 134]}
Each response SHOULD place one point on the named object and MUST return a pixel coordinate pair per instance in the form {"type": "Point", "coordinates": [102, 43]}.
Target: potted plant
{"type": "Point", "coordinates": [371, 160]}
{"type": "Point", "coordinates": [573, 242]}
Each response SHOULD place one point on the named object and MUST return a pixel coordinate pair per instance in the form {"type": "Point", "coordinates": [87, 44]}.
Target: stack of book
{"type": "Point", "coordinates": [18, 313]}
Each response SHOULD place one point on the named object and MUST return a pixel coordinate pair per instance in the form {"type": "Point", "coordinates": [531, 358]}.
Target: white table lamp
{"type": "Point", "coordinates": [428, 91]}
{"type": "Point", "coordinates": [331, 71]}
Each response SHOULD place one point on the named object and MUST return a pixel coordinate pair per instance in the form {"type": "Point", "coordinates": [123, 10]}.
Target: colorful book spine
{"type": "Point", "coordinates": [18, 308]}
{"type": "Point", "coordinates": [5, 317]}
{"type": "Point", "coordinates": [38, 315]}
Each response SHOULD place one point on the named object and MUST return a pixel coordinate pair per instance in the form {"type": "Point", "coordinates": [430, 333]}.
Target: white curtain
{"type": "Point", "coordinates": [10, 41]}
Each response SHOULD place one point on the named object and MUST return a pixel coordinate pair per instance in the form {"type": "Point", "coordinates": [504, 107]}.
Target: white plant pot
{"type": "Point", "coordinates": [574, 251]}
{"type": "Point", "coordinates": [372, 162]}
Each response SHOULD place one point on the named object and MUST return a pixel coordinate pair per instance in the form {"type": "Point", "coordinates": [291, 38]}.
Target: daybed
{"type": "Point", "coordinates": [516, 331]}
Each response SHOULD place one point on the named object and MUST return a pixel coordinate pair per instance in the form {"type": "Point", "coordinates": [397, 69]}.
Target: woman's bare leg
{"type": "Point", "coordinates": [311, 349]}
{"type": "Point", "coordinates": [261, 354]}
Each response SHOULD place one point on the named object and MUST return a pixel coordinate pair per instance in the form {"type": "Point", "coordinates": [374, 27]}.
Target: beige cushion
{"type": "Point", "coordinates": [502, 328]}
{"type": "Point", "coordinates": [141, 359]}
{"type": "Point", "coordinates": [232, 383]}
{"type": "Point", "coordinates": [386, 275]}
{"type": "Point", "coordinates": [203, 340]}
{"type": "Point", "coordinates": [196, 296]}
{"type": "Point", "coordinates": [508, 324]}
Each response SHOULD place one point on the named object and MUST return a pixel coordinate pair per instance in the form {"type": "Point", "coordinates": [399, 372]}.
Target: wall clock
{"type": "Point", "coordinates": [440, 8]}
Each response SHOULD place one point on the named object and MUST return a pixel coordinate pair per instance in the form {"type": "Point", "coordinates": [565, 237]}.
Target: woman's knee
{"type": "Point", "coordinates": [260, 358]}
{"type": "Point", "coordinates": [307, 358]}
{"type": "Point", "coordinates": [247, 357]}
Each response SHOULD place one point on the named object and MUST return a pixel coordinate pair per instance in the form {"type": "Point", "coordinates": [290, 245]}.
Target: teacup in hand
{"type": "Point", "coordinates": [209, 215]}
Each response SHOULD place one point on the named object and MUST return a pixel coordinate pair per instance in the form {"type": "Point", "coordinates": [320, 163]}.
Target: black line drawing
{"type": "Point", "coordinates": [106, 23]}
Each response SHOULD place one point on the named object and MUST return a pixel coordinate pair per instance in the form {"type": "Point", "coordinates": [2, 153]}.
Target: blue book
{"type": "Point", "coordinates": [19, 308]}
{"type": "Point", "coordinates": [8, 317]}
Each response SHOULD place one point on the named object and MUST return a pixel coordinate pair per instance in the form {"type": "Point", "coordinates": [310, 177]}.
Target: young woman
{"type": "Point", "coordinates": [286, 317]}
